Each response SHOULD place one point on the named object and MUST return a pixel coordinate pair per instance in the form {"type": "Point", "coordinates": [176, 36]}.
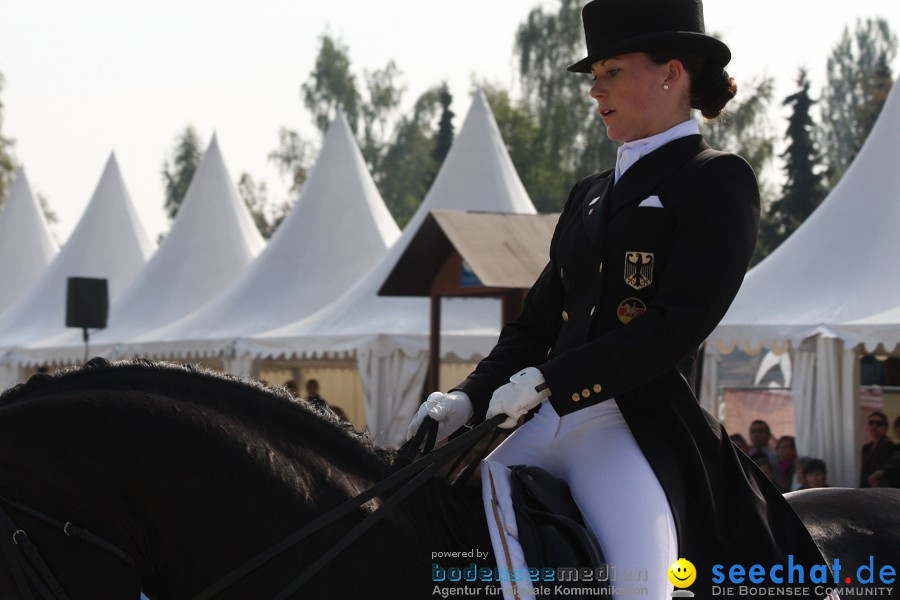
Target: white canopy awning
{"type": "Point", "coordinates": [109, 242]}
{"type": "Point", "coordinates": [828, 288]}
{"type": "Point", "coordinates": [26, 244]}
{"type": "Point", "coordinates": [338, 228]}
{"type": "Point", "coordinates": [389, 335]}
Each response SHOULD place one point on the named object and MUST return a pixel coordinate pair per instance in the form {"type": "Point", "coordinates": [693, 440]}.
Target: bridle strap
{"type": "Point", "coordinates": [414, 472]}
{"type": "Point", "coordinates": [20, 554]}
{"type": "Point", "coordinates": [27, 564]}
{"type": "Point", "coordinates": [74, 531]}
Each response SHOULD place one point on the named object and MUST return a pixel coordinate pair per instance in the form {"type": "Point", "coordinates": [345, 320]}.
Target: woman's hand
{"type": "Point", "coordinates": [451, 411]}
{"type": "Point", "coordinates": [525, 390]}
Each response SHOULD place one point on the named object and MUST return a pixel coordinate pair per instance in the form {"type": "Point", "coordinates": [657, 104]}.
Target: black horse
{"type": "Point", "coordinates": [192, 473]}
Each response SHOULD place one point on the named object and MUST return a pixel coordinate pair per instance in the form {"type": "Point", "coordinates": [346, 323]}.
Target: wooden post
{"type": "Point", "coordinates": [434, 345]}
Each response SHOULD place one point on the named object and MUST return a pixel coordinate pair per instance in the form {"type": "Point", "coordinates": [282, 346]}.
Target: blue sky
{"type": "Point", "coordinates": [90, 77]}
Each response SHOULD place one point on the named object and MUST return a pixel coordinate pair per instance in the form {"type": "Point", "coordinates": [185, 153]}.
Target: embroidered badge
{"type": "Point", "coordinates": [629, 308]}
{"type": "Point", "coordinates": [638, 269]}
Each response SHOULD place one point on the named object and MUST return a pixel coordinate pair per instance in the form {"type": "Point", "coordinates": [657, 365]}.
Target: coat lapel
{"type": "Point", "coordinates": [650, 171]}
{"type": "Point", "coordinates": [594, 207]}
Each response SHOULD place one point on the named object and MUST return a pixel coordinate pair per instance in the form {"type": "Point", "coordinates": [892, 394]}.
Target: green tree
{"type": "Point", "coordinates": [179, 168]}
{"type": "Point", "coordinates": [399, 150]}
{"type": "Point", "coordinates": [7, 159]}
{"type": "Point", "coordinates": [266, 217]}
{"type": "Point", "coordinates": [377, 111]}
{"type": "Point", "coordinates": [858, 81]}
{"type": "Point", "coordinates": [802, 190]}
{"type": "Point", "coordinates": [410, 164]}
{"type": "Point", "coordinates": [331, 86]}
{"type": "Point", "coordinates": [572, 141]}
{"type": "Point", "coordinates": [293, 157]}
{"type": "Point", "coordinates": [518, 127]}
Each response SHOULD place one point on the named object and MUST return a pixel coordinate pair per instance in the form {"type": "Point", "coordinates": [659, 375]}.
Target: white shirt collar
{"type": "Point", "coordinates": [631, 152]}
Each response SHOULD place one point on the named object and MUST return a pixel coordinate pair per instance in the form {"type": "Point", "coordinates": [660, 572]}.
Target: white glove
{"type": "Point", "coordinates": [524, 391]}
{"type": "Point", "coordinates": [451, 411]}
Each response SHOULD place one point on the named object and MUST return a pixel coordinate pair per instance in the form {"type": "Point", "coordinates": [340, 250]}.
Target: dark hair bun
{"type": "Point", "coordinates": [712, 91]}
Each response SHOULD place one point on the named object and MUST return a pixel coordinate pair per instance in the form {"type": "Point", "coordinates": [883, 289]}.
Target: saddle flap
{"type": "Point", "coordinates": [551, 530]}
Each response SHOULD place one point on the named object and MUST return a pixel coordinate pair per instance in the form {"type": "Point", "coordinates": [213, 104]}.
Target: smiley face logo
{"type": "Point", "coordinates": [682, 573]}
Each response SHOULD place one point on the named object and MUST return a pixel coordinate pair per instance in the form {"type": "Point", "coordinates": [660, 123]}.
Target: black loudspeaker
{"type": "Point", "coordinates": [87, 303]}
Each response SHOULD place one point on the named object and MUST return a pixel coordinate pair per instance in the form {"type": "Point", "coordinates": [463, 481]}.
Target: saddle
{"type": "Point", "coordinates": [552, 532]}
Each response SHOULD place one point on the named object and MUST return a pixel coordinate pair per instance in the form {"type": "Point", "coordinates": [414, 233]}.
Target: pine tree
{"type": "Point", "coordinates": [445, 129]}
{"type": "Point", "coordinates": [802, 190]}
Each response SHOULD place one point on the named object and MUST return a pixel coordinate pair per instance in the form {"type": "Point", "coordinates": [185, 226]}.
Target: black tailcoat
{"type": "Point", "coordinates": [628, 296]}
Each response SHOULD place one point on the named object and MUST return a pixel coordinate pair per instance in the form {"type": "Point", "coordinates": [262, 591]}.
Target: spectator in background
{"type": "Point", "coordinates": [760, 438]}
{"type": "Point", "coordinates": [312, 391]}
{"type": "Point", "coordinates": [897, 430]}
{"type": "Point", "coordinates": [799, 481]}
{"type": "Point", "coordinates": [739, 441]}
{"type": "Point", "coordinates": [816, 474]}
{"type": "Point", "coordinates": [291, 386]}
{"type": "Point", "coordinates": [783, 469]}
{"type": "Point", "coordinates": [890, 474]}
{"type": "Point", "coordinates": [876, 452]}
{"type": "Point", "coordinates": [312, 395]}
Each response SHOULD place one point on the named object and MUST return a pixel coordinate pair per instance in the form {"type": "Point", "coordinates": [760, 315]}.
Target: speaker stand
{"type": "Point", "coordinates": [85, 336]}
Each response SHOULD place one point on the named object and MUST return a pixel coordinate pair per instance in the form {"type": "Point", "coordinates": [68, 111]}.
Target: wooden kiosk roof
{"type": "Point", "coordinates": [456, 253]}
{"type": "Point", "coordinates": [503, 250]}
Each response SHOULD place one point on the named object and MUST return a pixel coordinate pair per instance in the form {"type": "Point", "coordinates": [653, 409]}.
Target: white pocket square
{"type": "Point", "coordinates": [651, 201]}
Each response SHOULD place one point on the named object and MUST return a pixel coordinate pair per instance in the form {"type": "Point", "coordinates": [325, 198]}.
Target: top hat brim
{"type": "Point", "coordinates": [713, 49]}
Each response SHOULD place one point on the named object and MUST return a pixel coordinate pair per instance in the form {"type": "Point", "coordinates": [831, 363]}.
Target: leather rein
{"type": "Point", "coordinates": [28, 566]}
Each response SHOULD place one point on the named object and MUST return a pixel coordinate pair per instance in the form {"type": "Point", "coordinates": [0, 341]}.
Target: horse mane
{"type": "Point", "coordinates": [156, 377]}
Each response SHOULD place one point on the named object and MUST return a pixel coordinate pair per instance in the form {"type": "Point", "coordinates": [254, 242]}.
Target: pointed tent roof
{"type": "Point", "coordinates": [336, 230]}
{"type": "Point", "coordinates": [477, 174]}
{"type": "Point", "coordinates": [838, 266]}
{"type": "Point", "coordinates": [109, 242]}
{"type": "Point", "coordinates": [26, 245]}
{"type": "Point", "coordinates": [210, 243]}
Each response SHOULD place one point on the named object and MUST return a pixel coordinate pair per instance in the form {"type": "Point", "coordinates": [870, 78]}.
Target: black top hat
{"type": "Point", "coordinates": [613, 27]}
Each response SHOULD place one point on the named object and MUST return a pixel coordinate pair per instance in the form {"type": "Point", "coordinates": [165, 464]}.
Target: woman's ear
{"type": "Point", "coordinates": [675, 72]}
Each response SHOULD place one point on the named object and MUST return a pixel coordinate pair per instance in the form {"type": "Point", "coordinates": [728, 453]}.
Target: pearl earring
{"type": "Point", "coordinates": [666, 87]}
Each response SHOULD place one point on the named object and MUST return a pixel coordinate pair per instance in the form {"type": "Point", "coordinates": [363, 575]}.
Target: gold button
{"type": "Point", "coordinates": [575, 397]}
{"type": "Point", "coordinates": [593, 308]}
{"type": "Point", "coordinates": [586, 393]}
{"type": "Point", "coordinates": [565, 316]}
{"type": "Point", "coordinates": [597, 388]}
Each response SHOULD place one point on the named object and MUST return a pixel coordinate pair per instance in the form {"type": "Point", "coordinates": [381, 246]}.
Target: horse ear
{"type": "Point", "coordinates": [87, 302]}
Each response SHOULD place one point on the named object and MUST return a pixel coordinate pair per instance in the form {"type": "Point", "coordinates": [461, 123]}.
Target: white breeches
{"type": "Point", "coordinates": [622, 502]}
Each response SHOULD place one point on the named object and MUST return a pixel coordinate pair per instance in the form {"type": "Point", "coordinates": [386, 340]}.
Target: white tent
{"type": "Point", "coordinates": [389, 336]}
{"type": "Point", "coordinates": [108, 242]}
{"type": "Point", "coordinates": [337, 229]}
{"type": "Point", "coordinates": [210, 243]}
{"type": "Point", "coordinates": [26, 245]}
{"type": "Point", "coordinates": [837, 268]}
